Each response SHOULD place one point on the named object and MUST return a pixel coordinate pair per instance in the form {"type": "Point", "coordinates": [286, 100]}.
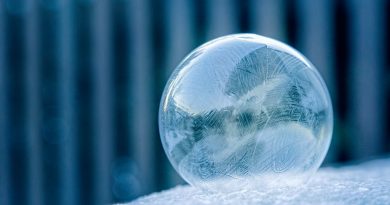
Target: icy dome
{"type": "Point", "coordinates": [245, 112]}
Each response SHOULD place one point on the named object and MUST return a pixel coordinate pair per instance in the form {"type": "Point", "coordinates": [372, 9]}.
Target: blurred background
{"type": "Point", "coordinates": [81, 81]}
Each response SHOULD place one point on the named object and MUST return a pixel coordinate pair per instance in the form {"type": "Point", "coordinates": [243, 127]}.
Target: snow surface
{"type": "Point", "coordinates": [366, 183]}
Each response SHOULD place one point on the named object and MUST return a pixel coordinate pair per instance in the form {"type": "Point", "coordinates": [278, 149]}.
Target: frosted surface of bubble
{"type": "Point", "coordinates": [245, 108]}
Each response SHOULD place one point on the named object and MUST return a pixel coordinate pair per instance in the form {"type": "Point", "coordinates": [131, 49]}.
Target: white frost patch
{"type": "Point", "coordinates": [367, 183]}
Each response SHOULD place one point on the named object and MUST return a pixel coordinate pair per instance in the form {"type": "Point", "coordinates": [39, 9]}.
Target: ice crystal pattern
{"type": "Point", "coordinates": [245, 112]}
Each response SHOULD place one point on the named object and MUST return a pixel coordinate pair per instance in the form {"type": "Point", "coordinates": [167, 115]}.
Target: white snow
{"type": "Point", "coordinates": [365, 183]}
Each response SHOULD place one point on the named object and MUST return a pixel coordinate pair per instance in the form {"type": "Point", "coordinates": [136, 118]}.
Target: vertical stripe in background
{"type": "Point", "coordinates": [85, 134]}
{"type": "Point", "coordinates": [269, 18]}
{"type": "Point", "coordinates": [33, 110]}
{"type": "Point", "coordinates": [102, 102]}
{"type": "Point", "coordinates": [50, 123]}
{"type": "Point", "coordinates": [366, 80]}
{"type": "Point", "coordinates": [15, 94]}
{"type": "Point", "coordinates": [141, 102]}
{"type": "Point", "coordinates": [4, 182]}
{"type": "Point", "coordinates": [222, 18]}
{"type": "Point", "coordinates": [158, 61]}
{"type": "Point", "coordinates": [180, 24]}
{"type": "Point", "coordinates": [123, 166]}
{"type": "Point", "coordinates": [70, 177]}
{"type": "Point", "coordinates": [387, 76]}
{"type": "Point", "coordinates": [341, 54]}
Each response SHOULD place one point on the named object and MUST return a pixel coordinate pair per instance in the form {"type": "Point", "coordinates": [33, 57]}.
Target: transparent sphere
{"type": "Point", "coordinates": [245, 112]}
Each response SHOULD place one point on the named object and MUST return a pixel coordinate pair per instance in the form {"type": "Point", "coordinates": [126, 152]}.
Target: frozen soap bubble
{"type": "Point", "coordinates": [245, 112]}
